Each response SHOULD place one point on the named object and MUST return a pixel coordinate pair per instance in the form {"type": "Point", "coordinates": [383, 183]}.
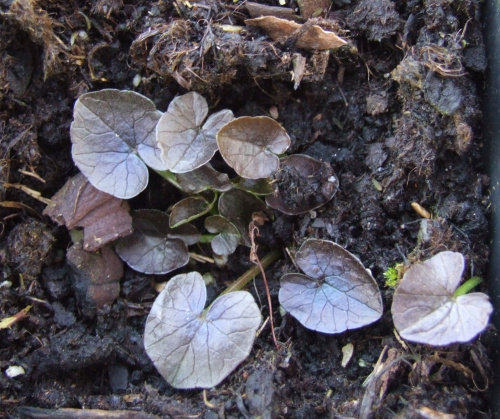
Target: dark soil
{"type": "Point", "coordinates": [396, 114]}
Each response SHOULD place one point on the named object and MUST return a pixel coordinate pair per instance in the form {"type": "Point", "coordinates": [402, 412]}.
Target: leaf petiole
{"type": "Point", "coordinates": [467, 286]}
{"type": "Point", "coordinates": [251, 273]}
{"type": "Point", "coordinates": [206, 238]}
{"type": "Point", "coordinates": [170, 177]}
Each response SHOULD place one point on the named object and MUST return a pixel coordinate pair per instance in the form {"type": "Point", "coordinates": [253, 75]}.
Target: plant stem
{"type": "Point", "coordinates": [268, 293]}
{"type": "Point", "coordinates": [253, 232]}
{"type": "Point", "coordinates": [206, 238]}
{"type": "Point", "coordinates": [244, 279]}
{"type": "Point", "coordinates": [467, 286]}
{"type": "Point", "coordinates": [170, 177]}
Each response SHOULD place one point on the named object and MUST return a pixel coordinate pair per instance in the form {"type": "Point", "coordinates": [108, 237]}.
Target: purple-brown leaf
{"type": "Point", "coordinates": [154, 247]}
{"type": "Point", "coordinates": [110, 130]}
{"type": "Point", "coordinates": [196, 348]}
{"type": "Point", "coordinates": [186, 144]}
{"type": "Point", "coordinates": [250, 144]}
{"type": "Point", "coordinates": [103, 217]}
{"type": "Point", "coordinates": [97, 275]}
{"type": "Point", "coordinates": [425, 310]}
{"type": "Point", "coordinates": [336, 293]}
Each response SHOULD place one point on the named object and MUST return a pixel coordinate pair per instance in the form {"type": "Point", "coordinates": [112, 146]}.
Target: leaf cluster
{"type": "Point", "coordinates": [119, 136]}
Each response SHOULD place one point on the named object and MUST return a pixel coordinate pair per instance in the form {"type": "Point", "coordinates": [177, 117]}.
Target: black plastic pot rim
{"type": "Point", "coordinates": [491, 132]}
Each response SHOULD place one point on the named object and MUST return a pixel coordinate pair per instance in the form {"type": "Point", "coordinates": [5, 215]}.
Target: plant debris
{"type": "Point", "coordinates": [28, 245]}
{"type": "Point", "coordinates": [96, 276]}
{"type": "Point", "coordinates": [103, 217]}
{"type": "Point", "coordinates": [302, 184]}
{"type": "Point", "coordinates": [306, 36]}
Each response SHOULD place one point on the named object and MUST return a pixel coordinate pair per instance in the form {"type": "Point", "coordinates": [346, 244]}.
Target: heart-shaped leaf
{"type": "Point", "coordinates": [250, 144]}
{"type": "Point", "coordinates": [238, 206]}
{"type": "Point", "coordinates": [196, 348]}
{"type": "Point", "coordinates": [190, 208]}
{"type": "Point", "coordinates": [228, 237]}
{"type": "Point", "coordinates": [186, 145]}
{"type": "Point", "coordinates": [110, 130]}
{"type": "Point", "coordinates": [425, 310]}
{"type": "Point", "coordinates": [255, 186]}
{"type": "Point", "coordinates": [302, 184]}
{"type": "Point", "coordinates": [154, 247]}
{"type": "Point", "coordinates": [203, 178]}
{"type": "Point", "coordinates": [337, 293]}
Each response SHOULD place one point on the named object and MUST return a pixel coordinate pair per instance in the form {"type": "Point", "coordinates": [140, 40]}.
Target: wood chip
{"type": "Point", "coordinates": [257, 10]}
{"type": "Point", "coordinates": [420, 210]}
{"type": "Point", "coordinates": [308, 37]}
{"type": "Point", "coordinates": [103, 217]}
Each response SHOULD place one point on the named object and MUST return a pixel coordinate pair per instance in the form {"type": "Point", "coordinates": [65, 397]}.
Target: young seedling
{"type": "Point", "coordinates": [336, 293]}
{"type": "Point", "coordinates": [238, 207]}
{"type": "Point", "coordinates": [191, 208]}
{"type": "Point", "coordinates": [428, 308]}
{"type": "Point", "coordinates": [394, 274]}
{"type": "Point", "coordinates": [227, 236]}
{"type": "Point", "coordinates": [194, 347]}
{"type": "Point", "coordinates": [201, 179]}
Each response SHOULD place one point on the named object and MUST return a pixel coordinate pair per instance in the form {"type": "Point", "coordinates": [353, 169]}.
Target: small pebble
{"type": "Point", "coordinates": [273, 111]}
{"type": "Point", "coordinates": [137, 80]}
{"type": "Point", "coordinates": [14, 371]}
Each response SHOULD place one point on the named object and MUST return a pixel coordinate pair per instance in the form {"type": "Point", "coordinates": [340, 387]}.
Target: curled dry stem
{"type": "Point", "coordinates": [442, 61]}
{"type": "Point", "coordinates": [253, 231]}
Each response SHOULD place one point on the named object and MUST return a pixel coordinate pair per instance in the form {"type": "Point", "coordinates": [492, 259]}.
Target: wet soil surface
{"type": "Point", "coordinates": [395, 113]}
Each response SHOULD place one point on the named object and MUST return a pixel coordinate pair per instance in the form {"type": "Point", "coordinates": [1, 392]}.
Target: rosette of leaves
{"type": "Point", "coordinates": [229, 226]}
{"type": "Point", "coordinates": [116, 135]}
{"type": "Point", "coordinates": [335, 293]}
{"type": "Point", "coordinates": [429, 306]}
{"type": "Point", "coordinates": [194, 347]}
